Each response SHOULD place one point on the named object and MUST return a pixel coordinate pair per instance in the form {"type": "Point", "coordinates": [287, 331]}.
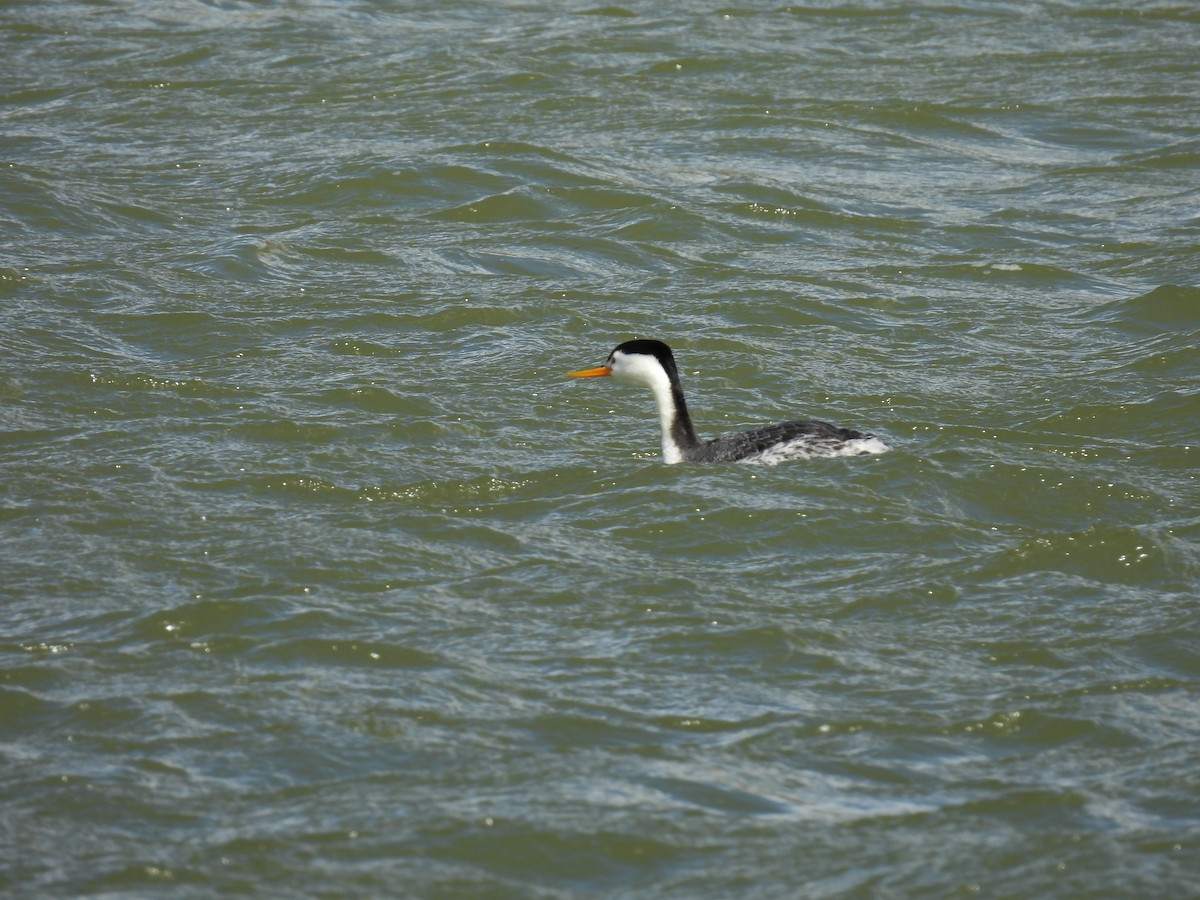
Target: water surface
{"type": "Point", "coordinates": [319, 578]}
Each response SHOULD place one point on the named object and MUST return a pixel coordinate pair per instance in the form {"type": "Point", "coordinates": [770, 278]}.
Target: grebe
{"type": "Point", "coordinates": [651, 364]}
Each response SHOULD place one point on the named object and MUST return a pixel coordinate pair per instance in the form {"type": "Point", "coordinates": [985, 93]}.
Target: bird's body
{"type": "Point", "coordinates": [651, 364]}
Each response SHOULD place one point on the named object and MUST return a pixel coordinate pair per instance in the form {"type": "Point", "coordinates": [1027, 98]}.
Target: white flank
{"type": "Point", "coordinates": [803, 449]}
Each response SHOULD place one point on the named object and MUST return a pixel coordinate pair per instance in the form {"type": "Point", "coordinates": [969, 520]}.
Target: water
{"type": "Point", "coordinates": [319, 578]}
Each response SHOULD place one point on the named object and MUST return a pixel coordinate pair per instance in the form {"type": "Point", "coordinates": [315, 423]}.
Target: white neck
{"type": "Point", "coordinates": [646, 371]}
{"type": "Point", "coordinates": [672, 452]}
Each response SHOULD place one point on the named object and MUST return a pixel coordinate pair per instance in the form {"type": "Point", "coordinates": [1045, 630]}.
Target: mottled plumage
{"type": "Point", "coordinates": [787, 440]}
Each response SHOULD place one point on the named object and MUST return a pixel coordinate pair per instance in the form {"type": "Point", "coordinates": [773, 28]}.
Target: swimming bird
{"type": "Point", "coordinates": [651, 364]}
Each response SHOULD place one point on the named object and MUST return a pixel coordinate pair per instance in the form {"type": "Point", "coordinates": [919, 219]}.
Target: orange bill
{"type": "Point", "coordinates": [591, 373]}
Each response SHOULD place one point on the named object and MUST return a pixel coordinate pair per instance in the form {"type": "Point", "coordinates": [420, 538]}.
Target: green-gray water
{"type": "Point", "coordinates": [319, 578]}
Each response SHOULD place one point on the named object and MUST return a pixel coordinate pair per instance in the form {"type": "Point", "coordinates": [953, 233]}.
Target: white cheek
{"type": "Point", "coordinates": [636, 370]}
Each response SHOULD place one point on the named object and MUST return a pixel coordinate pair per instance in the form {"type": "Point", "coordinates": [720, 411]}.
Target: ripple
{"type": "Point", "coordinates": [1107, 553]}
{"type": "Point", "coordinates": [1170, 308]}
{"type": "Point", "coordinates": [323, 652]}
